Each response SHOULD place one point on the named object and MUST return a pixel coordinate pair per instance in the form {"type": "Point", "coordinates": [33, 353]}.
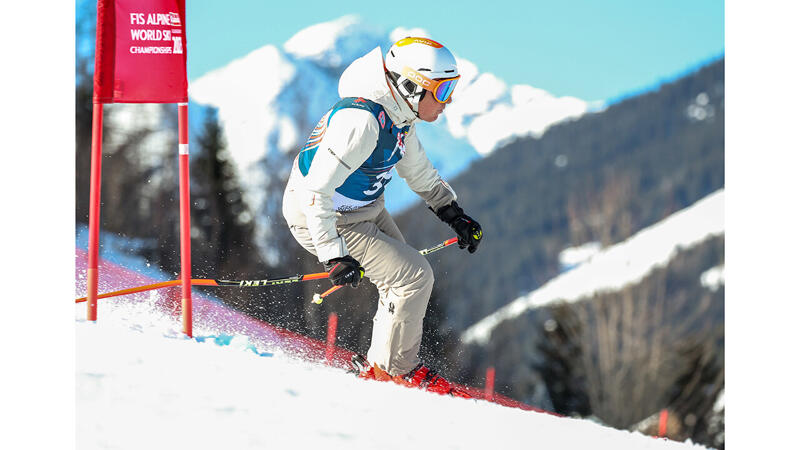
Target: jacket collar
{"type": "Point", "coordinates": [366, 77]}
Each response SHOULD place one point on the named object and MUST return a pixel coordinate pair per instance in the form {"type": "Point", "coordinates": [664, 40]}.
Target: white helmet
{"type": "Point", "coordinates": [416, 64]}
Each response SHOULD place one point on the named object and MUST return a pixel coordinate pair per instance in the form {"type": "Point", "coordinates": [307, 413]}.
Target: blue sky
{"type": "Point", "coordinates": [594, 50]}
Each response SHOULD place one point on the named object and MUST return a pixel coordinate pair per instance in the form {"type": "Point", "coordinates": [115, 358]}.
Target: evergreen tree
{"type": "Point", "coordinates": [224, 224]}
{"type": "Point", "coordinates": [223, 237]}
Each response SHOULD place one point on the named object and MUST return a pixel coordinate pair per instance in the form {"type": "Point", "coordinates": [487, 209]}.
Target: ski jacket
{"type": "Point", "coordinates": [367, 182]}
{"type": "Point", "coordinates": [347, 160]}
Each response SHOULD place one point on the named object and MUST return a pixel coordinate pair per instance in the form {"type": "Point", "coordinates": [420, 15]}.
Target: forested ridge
{"type": "Point", "coordinates": [599, 178]}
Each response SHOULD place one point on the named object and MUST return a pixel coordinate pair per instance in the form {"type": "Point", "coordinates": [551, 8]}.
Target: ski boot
{"type": "Point", "coordinates": [420, 377]}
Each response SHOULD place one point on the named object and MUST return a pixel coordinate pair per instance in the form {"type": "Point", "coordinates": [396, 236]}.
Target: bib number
{"type": "Point", "coordinates": [380, 182]}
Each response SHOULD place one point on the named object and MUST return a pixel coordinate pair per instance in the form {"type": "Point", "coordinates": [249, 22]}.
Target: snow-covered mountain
{"type": "Point", "coordinates": [621, 264]}
{"type": "Point", "coordinates": [270, 99]}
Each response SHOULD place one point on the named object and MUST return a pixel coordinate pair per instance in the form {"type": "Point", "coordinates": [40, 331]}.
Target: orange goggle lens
{"type": "Point", "coordinates": [441, 89]}
{"type": "Point", "coordinates": [444, 90]}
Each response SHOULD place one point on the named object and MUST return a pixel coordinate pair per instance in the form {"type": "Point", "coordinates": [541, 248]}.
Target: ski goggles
{"type": "Point", "coordinates": [441, 89]}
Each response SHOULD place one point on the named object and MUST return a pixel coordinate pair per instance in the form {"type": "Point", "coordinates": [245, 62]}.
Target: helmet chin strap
{"type": "Point", "coordinates": [390, 81]}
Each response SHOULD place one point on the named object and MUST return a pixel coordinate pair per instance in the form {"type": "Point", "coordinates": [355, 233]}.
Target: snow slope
{"type": "Point", "coordinates": [620, 264]}
{"type": "Point", "coordinates": [141, 384]}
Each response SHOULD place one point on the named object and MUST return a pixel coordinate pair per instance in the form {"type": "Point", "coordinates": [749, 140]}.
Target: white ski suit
{"type": "Point", "coordinates": [334, 203]}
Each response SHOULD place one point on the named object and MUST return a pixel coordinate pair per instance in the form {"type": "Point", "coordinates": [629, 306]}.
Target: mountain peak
{"type": "Point", "coordinates": [270, 99]}
{"type": "Point", "coordinates": [333, 44]}
{"type": "Point", "coordinates": [318, 38]}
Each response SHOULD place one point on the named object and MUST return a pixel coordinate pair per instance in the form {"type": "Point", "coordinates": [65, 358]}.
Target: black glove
{"type": "Point", "coordinates": [344, 270]}
{"type": "Point", "coordinates": [468, 230]}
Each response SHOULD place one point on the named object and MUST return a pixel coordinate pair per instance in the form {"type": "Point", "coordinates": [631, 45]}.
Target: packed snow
{"type": "Point", "coordinates": [572, 257]}
{"type": "Point", "coordinates": [619, 265]}
{"type": "Point", "coordinates": [142, 384]}
{"type": "Point", "coordinates": [713, 278]}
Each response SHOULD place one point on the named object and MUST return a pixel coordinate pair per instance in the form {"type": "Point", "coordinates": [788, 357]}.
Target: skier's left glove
{"type": "Point", "coordinates": [344, 270]}
{"type": "Point", "coordinates": [468, 230]}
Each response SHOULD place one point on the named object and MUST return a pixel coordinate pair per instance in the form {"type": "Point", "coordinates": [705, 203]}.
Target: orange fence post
{"type": "Point", "coordinates": [333, 322]}
{"type": "Point", "coordinates": [662, 423]}
{"type": "Point", "coordinates": [489, 389]}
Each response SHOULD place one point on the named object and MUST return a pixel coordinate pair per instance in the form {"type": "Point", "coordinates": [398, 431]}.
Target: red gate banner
{"type": "Point", "coordinates": [140, 53]}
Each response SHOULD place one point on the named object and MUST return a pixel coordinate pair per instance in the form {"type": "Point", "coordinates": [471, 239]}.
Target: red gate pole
{"type": "Point", "coordinates": [94, 211]}
{"type": "Point", "coordinates": [186, 236]}
{"type": "Point", "coordinates": [662, 423]}
{"type": "Point", "coordinates": [489, 389]}
{"type": "Point", "coordinates": [333, 322]}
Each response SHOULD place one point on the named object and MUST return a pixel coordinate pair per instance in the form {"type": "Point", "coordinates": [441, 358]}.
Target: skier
{"type": "Point", "coordinates": [334, 202]}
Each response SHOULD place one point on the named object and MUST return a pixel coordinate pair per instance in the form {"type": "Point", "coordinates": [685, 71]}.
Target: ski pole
{"type": "Point", "coordinates": [244, 283]}
{"type": "Point", "coordinates": [427, 251]}
{"type": "Point", "coordinates": [212, 282]}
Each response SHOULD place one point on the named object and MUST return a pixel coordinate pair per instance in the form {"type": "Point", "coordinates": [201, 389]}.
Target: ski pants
{"type": "Point", "coordinates": [404, 279]}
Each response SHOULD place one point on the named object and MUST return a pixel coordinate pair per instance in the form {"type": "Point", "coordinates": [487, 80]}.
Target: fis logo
{"type": "Point", "coordinates": [174, 19]}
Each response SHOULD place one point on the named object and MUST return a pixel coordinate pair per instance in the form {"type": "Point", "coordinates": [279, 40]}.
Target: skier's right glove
{"type": "Point", "coordinates": [468, 230]}
{"type": "Point", "coordinates": [344, 270]}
